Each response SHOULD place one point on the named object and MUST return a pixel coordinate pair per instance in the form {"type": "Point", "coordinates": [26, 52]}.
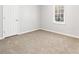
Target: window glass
{"type": "Point", "coordinates": [59, 13]}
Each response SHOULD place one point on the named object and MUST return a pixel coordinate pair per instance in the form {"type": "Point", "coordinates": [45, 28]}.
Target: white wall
{"type": "Point", "coordinates": [1, 22]}
{"type": "Point", "coordinates": [71, 17]}
{"type": "Point", "coordinates": [33, 17]}
{"type": "Point", "coordinates": [29, 16]}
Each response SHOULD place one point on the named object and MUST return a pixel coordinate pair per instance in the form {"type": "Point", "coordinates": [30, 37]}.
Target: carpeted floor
{"type": "Point", "coordinates": [39, 42]}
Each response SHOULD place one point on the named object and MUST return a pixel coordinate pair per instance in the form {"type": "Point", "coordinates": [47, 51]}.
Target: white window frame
{"type": "Point", "coordinates": [54, 21]}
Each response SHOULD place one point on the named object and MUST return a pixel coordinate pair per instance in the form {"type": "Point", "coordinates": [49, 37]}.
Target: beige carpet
{"type": "Point", "coordinates": [39, 42]}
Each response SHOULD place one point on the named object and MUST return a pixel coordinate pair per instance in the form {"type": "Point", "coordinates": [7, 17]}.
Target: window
{"type": "Point", "coordinates": [59, 14]}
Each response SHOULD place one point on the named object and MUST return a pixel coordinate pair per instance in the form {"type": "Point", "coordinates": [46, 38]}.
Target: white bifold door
{"type": "Point", "coordinates": [10, 20]}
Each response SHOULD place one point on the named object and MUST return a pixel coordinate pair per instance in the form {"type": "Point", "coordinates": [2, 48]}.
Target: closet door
{"type": "Point", "coordinates": [10, 20]}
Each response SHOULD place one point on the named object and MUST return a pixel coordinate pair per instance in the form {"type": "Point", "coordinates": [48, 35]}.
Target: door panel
{"type": "Point", "coordinates": [9, 20]}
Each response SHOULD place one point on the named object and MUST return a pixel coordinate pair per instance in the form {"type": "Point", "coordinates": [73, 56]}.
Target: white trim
{"type": "Point", "coordinates": [27, 31]}
{"type": "Point", "coordinates": [19, 33]}
{"type": "Point", "coordinates": [70, 35]}
{"type": "Point", "coordinates": [66, 34]}
{"type": "Point", "coordinates": [1, 38]}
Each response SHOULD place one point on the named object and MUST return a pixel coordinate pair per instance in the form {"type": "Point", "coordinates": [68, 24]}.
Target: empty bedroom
{"type": "Point", "coordinates": [39, 29]}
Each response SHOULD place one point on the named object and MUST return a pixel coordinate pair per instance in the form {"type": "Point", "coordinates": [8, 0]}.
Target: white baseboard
{"type": "Point", "coordinates": [27, 31]}
{"type": "Point", "coordinates": [74, 36]}
{"type": "Point", "coordinates": [1, 38]}
{"type": "Point", "coordinates": [66, 34]}
{"type": "Point", "coordinates": [19, 33]}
